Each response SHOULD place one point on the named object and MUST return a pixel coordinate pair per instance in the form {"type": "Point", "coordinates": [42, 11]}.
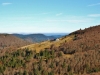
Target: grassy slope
{"type": "Point", "coordinates": [47, 44]}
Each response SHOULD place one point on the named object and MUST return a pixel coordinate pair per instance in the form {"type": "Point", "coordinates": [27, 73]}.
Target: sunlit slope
{"type": "Point", "coordinates": [47, 44]}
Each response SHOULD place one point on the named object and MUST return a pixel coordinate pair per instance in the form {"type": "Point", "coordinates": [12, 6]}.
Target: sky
{"type": "Point", "coordinates": [48, 16]}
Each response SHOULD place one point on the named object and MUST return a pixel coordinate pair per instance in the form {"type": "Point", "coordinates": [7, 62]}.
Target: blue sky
{"type": "Point", "coordinates": [48, 16]}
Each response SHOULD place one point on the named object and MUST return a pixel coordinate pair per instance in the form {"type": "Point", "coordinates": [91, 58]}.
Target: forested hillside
{"type": "Point", "coordinates": [75, 54]}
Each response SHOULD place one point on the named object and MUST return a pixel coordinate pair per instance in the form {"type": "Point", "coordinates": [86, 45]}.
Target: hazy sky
{"type": "Point", "coordinates": [43, 16]}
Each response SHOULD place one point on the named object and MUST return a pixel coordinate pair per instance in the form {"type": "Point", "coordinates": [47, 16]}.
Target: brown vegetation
{"type": "Point", "coordinates": [75, 54]}
{"type": "Point", "coordinates": [8, 41]}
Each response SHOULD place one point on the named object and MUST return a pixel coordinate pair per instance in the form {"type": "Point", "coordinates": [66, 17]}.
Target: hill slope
{"type": "Point", "coordinates": [80, 40]}
{"type": "Point", "coordinates": [10, 41]}
{"type": "Point", "coordinates": [48, 44]}
{"type": "Point", "coordinates": [75, 54]}
{"type": "Point", "coordinates": [83, 45]}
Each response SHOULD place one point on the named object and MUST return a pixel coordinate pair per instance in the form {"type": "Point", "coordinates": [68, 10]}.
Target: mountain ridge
{"type": "Point", "coordinates": [37, 37]}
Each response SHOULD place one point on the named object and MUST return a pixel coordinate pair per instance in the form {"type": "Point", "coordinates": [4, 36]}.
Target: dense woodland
{"type": "Point", "coordinates": [84, 51]}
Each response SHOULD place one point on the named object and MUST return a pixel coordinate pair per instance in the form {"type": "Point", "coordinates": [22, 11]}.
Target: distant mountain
{"type": "Point", "coordinates": [10, 41]}
{"type": "Point", "coordinates": [37, 37]}
{"type": "Point", "coordinates": [53, 34]}
{"type": "Point", "coordinates": [56, 35]}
